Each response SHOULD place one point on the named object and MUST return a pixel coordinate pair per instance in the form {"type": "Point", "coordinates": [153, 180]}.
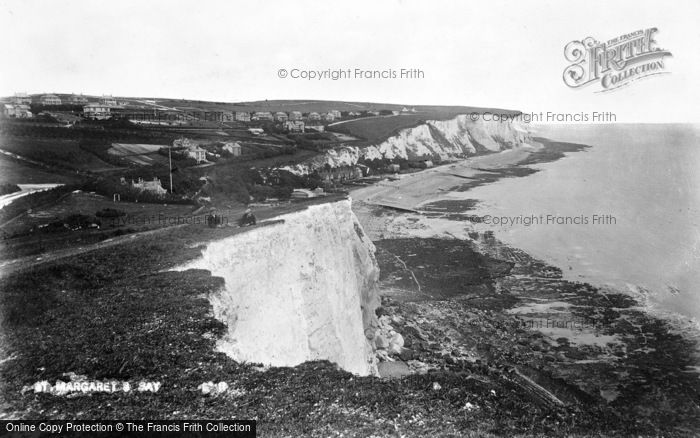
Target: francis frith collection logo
{"type": "Point", "coordinates": [614, 63]}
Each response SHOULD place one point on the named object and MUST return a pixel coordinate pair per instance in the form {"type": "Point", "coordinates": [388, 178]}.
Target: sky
{"type": "Point", "coordinates": [495, 54]}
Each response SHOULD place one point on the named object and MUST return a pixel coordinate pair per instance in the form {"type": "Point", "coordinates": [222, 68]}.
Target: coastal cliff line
{"type": "Point", "coordinates": [301, 289]}
{"type": "Point", "coordinates": [442, 140]}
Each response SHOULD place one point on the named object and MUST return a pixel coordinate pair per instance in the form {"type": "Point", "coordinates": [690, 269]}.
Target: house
{"type": "Point", "coordinates": [108, 101]}
{"type": "Point", "coordinates": [314, 116]}
{"type": "Point", "coordinates": [197, 153]}
{"type": "Point", "coordinates": [17, 111]}
{"type": "Point", "coordinates": [242, 116]}
{"type": "Point", "coordinates": [328, 117]}
{"type": "Point", "coordinates": [426, 164]}
{"type": "Point", "coordinates": [281, 116]}
{"type": "Point", "coordinates": [96, 111]}
{"type": "Point", "coordinates": [149, 186]}
{"type": "Point", "coordinates": [21, 99]}
{"type": "Point", "coordinates": [256, 131]}
{"type": "Point", "coordinates": [50, 99]}
{"type": "Point", "coordinates": [192, 149]}
{"type": "Point", "coordinates": [295, 115]}
{"type": "Point", "coordinates": [316, 127]}
{"type": "Point", "coordinates": [393, 168]}
{"type": "Point", "coordinates": [78, 99]}
{"type": "Point", "coordinates": [233, 148]}
{"type": "Point", "coordinates": [404, 110]}
{"type": "Point", "coordinates": [263, 115]}
{"type": "Point", "coordinates": [372, 113]}
{"type": "Point", "coordinates": [294, 126]}
{"type": "Point", "coordinates": [354, 114]}
{"type": "Point", "coordinates": [336, 114]}
{"type": "Point", "coordinates": [395, 112]}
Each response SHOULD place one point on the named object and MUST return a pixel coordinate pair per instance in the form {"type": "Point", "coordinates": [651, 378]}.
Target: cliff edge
{"type": "Point", "coordinates": [298, 290]}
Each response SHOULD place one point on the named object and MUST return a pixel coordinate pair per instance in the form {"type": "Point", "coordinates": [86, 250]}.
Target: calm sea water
{"type": "Point", "coordinates": [645, 176]}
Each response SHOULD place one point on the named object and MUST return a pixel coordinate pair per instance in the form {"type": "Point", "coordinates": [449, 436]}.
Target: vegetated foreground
{"type": "Point", "coordinates": [118, 314]}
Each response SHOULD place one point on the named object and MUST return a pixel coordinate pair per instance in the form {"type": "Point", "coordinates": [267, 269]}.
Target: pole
{"type": "Point", "coordinates": [170, 161]}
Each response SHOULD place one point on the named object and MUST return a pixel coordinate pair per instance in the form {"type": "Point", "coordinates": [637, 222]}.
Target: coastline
{"type": "Point", "coordinates": [479, 302]}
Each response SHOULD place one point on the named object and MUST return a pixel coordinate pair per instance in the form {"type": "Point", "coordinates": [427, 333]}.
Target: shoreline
{"type": "Point", "coordinates": [600, 347]}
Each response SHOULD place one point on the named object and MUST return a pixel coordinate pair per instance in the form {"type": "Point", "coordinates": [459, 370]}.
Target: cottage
{"type": "Point", "coordinates": [328, 117]}
{"type": "Point", "coordinates": [281, 116]}
{"type": "Point", "coordinates": [21, 99]}
{"type": "Point", "coordinates": [242, 116]}
{"type": "Point", "coordinates": [354, 114]}
{"type": "Point", "coordinates": [149, 186]}
{"type": "Point", "coordinates": [295, 115]}
{"type": "Point", "coordinates": [336, 114]}
{"type": "Point", "coordinates": [294, 126]}
{"type": "Point", "coordinates": [233, 148]}
{"type": "Point", "coordinates": [256, 131]}
{"type": "Point", "coordinates": [393, 168]}
{"type": "Point", "coordinates": [96, 111]}
{"type": "Point", "coordinates": [108, 101]}
{"type": "Point", "coordinates": [263, 115]}
{"type": "Point", "coordinates": [314, 116]}
{"type": "Point", "coordinates": [50, 99]}
{"type": "Point", "coordinates": [395, 112]}
{"type": "Point", "coordinates": [373, 113]}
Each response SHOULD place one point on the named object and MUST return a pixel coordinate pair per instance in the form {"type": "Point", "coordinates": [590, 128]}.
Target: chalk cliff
{"type": "Point", "coordinates": [298, 290]}
{"type": "Point", "coordinates": [445, 139]}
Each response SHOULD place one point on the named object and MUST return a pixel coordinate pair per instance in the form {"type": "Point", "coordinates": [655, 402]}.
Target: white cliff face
{"type": "Point", "coordinates": [447, 139]}
{"type": "Point", "coordinates": [300, 290]}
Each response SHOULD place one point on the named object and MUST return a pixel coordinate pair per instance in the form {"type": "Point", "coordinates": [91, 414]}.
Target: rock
{"type": "Point", "coordinates": [394, 369]}
{"type": "Point", "coordinates": [407, 354]}
{"type": "Point", "coordinates": [396, 344]}
{"type": "Point", "coordinates": [380, 341]}
{"type": "Point", "coordinates": [418, 366]}
{"type": "Point", "coordinates": [369, 333]}
{"type": "Point", "coordinates": [436, 386]}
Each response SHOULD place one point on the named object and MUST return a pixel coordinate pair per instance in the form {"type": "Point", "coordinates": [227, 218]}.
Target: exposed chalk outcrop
{"type": "Point", "coordinates": [299, 290]}
{"type": "Point", "coordinates": [446, 139]}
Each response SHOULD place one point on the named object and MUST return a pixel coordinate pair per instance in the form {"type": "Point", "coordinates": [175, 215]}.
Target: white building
{"type": "Point", "coordinates": [295, 115]}
{"type": "Point", "coordinates": [263, 115]}
{"type": "Point", "coordinates": [314, 116]}
{"type": "Point", "coordinates": [233, 148]}
{"type": "Point", "coordinates": [242, 116]}
{"type": "Point", "coordinates": [21, 99]}
{"type": "Point", "coordinates": [17, 111]}
{"type": "Point", "coordinates": [50, 99]}
{"type": "Point", "coordinates": [149, 186]}
{"type": "Point", "coordinates": [96, 111]}
{"type": "Point", "coordinates": [294, 126]}
{"type": "Point", "coordinates": [108, 101]}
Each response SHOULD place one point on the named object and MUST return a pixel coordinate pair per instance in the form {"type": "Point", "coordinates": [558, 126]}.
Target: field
{"type": "Point", "coordinates": [15, 172]}
{"type": "Point", "coordinates": [61, 153]}
{"type": "Point", "coordinates": [376, 129]}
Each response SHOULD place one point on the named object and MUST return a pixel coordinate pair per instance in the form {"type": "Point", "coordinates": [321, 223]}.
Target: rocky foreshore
{"type": "Point", "coordinates": [479, 308]}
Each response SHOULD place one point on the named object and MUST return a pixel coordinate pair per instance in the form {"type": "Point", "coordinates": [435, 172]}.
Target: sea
{"type": "Point", "coordinates": [622, 214]}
